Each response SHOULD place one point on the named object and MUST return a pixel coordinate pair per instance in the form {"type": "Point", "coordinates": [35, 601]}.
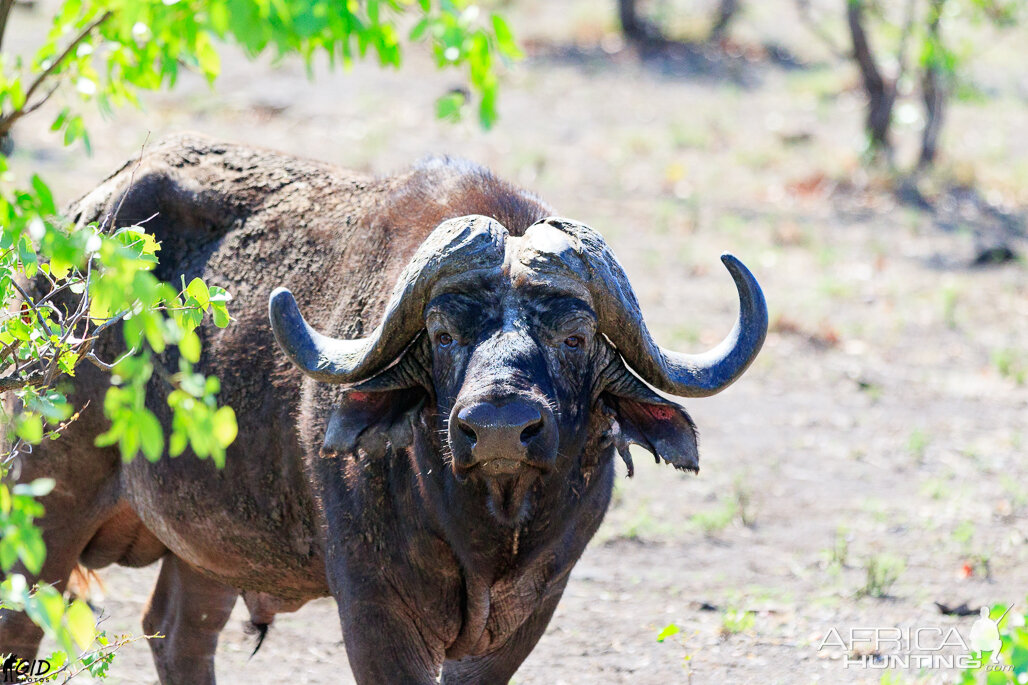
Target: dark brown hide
{"type": "Point", "coordinates": [356, 491]}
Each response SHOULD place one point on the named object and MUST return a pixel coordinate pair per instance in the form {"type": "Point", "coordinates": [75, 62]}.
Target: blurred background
{"type": "Point", "coordinates": [870, 466]}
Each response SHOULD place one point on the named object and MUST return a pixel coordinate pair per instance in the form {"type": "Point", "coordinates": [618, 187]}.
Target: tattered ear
{"type": "Point", "coordinates": [380, 411]}
{"type": "Point", "coordinates": [657, 425]}
{"type": "Point", "coordinates": [368, 422]}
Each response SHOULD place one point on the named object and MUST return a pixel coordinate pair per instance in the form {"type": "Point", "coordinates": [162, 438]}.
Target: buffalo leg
{"type": "Point", "coordinates": [189, 610]}
{"type": "Point", "coordinates": [384, 646]}
{"type": "Point", "coordinates": [500, 665]}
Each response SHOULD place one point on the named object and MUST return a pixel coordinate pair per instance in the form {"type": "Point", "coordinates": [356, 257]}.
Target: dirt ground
{"type": "Point", "coordinates": [881, 432]}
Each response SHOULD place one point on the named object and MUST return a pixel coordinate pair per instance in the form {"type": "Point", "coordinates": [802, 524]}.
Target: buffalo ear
{"type": "Point", "coordinates": [370, 421]}
{"type": "Point", "coordinates": [656, 425]}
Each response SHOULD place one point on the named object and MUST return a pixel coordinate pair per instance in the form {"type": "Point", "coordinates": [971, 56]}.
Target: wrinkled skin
{"type": "Point", "coordinates": [441, 502]}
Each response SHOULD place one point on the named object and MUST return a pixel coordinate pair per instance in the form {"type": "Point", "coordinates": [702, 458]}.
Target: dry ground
{"type": "Point", "coordinates": [884, 425]}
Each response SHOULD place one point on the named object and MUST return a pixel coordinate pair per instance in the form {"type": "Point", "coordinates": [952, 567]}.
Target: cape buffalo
{"type": "Point", "coordinates": [436, 458]}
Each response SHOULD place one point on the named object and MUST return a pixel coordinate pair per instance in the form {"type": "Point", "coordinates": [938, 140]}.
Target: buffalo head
{"type": "Point", "coordinates": [531, 350]}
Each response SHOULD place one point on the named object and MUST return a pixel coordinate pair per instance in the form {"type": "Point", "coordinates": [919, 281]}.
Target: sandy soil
{"type": "Point", "coordinates": [883, 425]}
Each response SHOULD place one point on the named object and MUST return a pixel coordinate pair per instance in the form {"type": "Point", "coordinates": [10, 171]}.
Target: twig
{"type": "Point", "coordinates": [108, 323]}
{"type": "Point", "coordinates": [165, 376]}
{"type": "Point", "coordinates": [82, 35]}
{"type": "Point", "coordinates": [56, 291]}
{"type": "Point", "coordinates": [64, 424]}
{"type": "Point", "coordinates": [131, 183]}
{"type": "Point", "coordinates": [28, 301]}
{"type": "Point", "coordinates": [69, 673]}
{"type": "Point", "coordinates": [29, 109]}
{"type": "Point", "coordinates": [8, 120]}
{"type": "Point", "coordinates": [138, 223]}
{"type": "Point", "coordinates": [95, 361]}
{"type": "Point", "coordinates": [87, 349]}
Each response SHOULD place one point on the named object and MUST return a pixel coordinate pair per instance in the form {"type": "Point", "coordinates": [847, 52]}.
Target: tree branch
{"type": "Point", "coordinates": [862, 48]}
{"type": "Point", "coordinates": [636, 28]}
{"type": "Point", "coordinates": [131, 184]}
{"type": "Point", "coordinates": [8, 119]}
{"type": "Point", "coordinates": [881, 95]}
{"type": "Point", "coordinates": [29, 109]}
{"type": "Point", "coordinates": [104, 366]}
{"type": "Point", "coordinates": [5, 10]}
{"type": "Point", "coordinates": [37, 377]}
{"type": "Point", "coordinates": [933, 90]}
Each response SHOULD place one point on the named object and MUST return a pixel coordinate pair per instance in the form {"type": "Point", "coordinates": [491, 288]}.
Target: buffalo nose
{"type": "Point", "coordinates": [506, 433]}
{"type": "Point", "coordinates": [514, 423]}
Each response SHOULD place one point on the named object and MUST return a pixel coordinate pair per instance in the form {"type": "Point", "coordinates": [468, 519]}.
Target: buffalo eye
{"type": "Point", "coordinates": [444, 339]}
{"type": "Point", "coordinates": [573, 341]}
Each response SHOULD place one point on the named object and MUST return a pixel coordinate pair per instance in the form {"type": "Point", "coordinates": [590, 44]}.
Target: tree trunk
{"type": "Point", "coordinates": [5, 11]}
{"type": "Point", "coordinates": [629, 16]}
{"type": "Point", "coordinates": [881, 96]}
{"type": "Point", "coordinates": [725, 13]}
{"type": "Point", "coordinates": [634, 27]}
{"type": "Point", "coordinates": [933, 90]}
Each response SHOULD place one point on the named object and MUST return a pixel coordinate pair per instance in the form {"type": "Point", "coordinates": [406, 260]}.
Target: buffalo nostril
{"type": "Point", "coordinates": [531, 431]}
{"type": "Point", "coordinates": [501, 431]}
{"type": "Point", "coordinates": [468, 432]}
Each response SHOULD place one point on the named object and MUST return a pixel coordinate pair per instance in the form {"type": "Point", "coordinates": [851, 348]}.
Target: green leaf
{"type": "Point", "coordinates": [225, 427]}
{"type": "Point", "coordinates": [190, 317]}
{"type": "Point", "coordinates": [45, 608]}
{"type": "Point", "coordinates": [47, 206]}
{"type": "Point", "coordinates": [37, 488]}
{"type": "Point", "coordinates": [189, 346]}
{"type": "Point", "coordinates": [15, 590]}
{"type": "Point", "coordinates": [487, 108]}
{"type": "Point", "coordinates": [9, 547]}
{"type": "Point", "coordinates": [418, 32]}
{"type": "Point", "coordinates": [178, 443]}
{"type": "Point", "coordinates": [448, 107]}
{"type": "Point", "coordinates": [81, 623]}
{"type": "Point", "coordinates": [128, 442]}
{"type": "Point", "coordinates": [28, 257]}
{"type": "Point", "coordinates": [505, 41]}
{"type": "Point", "coordinates": [220, 313]}
{"type": "Point", "coordinates": [219, 294]}
{"type": "Point", "coordinates": [151, 434]}
{"type": "Point", "coordinates": [207, 58]}
{"type": "Point", "coordinates": [668, 631]}
{"type": "Point", "coordinates": [33, 549]}
{"type": "Point", "coordinates": [60, 119]}
{"type": "Point", "coordinates": [30, 428]}
{"type": "Point", "coordinates": [153, 329]}
{"type": "Point", "coordinates": [74, 130]}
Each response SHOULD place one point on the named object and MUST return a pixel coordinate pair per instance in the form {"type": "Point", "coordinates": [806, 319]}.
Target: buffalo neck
{"type": "Point", "coordinates": [563, 505]}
